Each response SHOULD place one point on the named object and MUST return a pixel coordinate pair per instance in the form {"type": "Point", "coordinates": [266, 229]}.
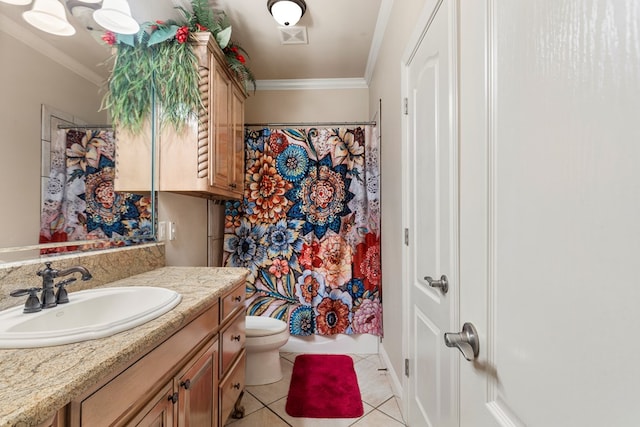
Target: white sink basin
{"type": "Point", "coordinates": [90, 314]}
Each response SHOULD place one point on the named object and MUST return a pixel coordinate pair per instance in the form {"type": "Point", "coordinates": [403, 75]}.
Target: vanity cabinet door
{"type": "Point", "coordinates": [197, 391]}
{"type": "Point", "coordinates": [159, 412]}
{"type": "Point", "coordinates": [231, 387]}
{"type": "Point", "coordinates": [58, 420]}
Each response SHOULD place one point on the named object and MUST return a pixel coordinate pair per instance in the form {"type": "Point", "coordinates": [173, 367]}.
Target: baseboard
{"type": "Point", "coordinates": [396, 382]}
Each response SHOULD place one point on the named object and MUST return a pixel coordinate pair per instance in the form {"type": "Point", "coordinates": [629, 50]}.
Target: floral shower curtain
{"type": "Point", "coordinates": [308, 229]}
{"type": "Point", "coordinates": [80, 202]}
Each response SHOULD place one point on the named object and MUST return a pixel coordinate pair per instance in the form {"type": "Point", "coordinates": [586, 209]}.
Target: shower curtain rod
{"type": "Point", "coordinates": [308, 124]}
{"type": "Point", "coordinates": [85, 126]}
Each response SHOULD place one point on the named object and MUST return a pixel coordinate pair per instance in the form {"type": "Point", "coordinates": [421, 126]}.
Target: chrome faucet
{"type": "Point", "coordinates": [48, 299]}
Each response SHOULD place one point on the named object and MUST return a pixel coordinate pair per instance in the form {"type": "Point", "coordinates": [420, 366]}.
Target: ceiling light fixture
{"type": "Point", "coordinates": [287, 12]}
{"type": "Point", "coordinates": [115, 15]}
{"type": "Point", "coordinates": [49, 16]}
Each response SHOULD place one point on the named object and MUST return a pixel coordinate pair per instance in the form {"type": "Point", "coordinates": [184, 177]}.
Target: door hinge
{"type": "Point", "coordinates": [406, 237]}
{"type": "Point", "coordinates": [406, 106]}
{"type": "Point", "coordinates": [406, 367]}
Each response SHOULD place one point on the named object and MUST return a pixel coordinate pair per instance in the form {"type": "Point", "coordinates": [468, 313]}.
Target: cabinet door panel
{"type": "Point", "coordinates": [158, 412]}
{"type": "Point", "coordinates": [221, 138]}
{"type": "Point", "coordinates": [237, 151]}
{"type": "Point", "coordinates": [231, 387]}
{"type": "Point", "coordinates": [197, 396]}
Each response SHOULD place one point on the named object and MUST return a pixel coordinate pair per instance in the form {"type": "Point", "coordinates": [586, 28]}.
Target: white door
{"type": "Point", "coordinates": [550, 212]}
{"type": "Point", "coordinates": [431, 208]}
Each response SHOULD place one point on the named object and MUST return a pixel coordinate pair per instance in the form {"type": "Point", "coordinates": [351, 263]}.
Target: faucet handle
{"type": "Point", "coordinates": [45, 270]}
{"type": "Point", "coordinates": [62, 296]}
{"type": "Point", "coordinates": [33, 303]}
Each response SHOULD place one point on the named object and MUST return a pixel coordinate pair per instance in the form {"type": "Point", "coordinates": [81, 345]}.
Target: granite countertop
{"type": "Point", "coordinates": [37, 382]}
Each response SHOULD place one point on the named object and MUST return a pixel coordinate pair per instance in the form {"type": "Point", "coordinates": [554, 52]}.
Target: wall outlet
{"type": "Point", "coordinates": [172, 230]}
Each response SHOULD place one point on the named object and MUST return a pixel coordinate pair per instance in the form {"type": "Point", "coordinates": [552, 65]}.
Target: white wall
{"type": "Point", "coordinates": [386, 86]}
{"type": "Point", "coordinates": [27, 80]}
{"type": "Point", "coordinates": [323, 105]}
{"type": "Point", "coordinates": [189, 248]}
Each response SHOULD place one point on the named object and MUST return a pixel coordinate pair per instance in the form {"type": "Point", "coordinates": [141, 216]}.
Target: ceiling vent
{"type": "Point", "coordinates": [293, 35]}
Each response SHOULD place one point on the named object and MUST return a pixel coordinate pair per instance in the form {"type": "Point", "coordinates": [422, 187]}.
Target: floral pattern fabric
{"type": "Point", "coordinates": [308, 229]}
{"type": "Point", "coordinates": [80, 202]}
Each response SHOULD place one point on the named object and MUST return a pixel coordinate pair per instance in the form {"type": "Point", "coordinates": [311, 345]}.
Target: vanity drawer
{"type": "Point", "coordinates": [231, 387]}
{"type": "Point", "coordinates": [232, 301]}
{"type": "Point", "coordinates": [232, 341]}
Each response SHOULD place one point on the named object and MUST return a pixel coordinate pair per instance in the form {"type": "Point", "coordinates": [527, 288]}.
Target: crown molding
{"type": "Point", "coordinates": [308, 84]}
{"type": "Point", "coordinates": [18, 32]}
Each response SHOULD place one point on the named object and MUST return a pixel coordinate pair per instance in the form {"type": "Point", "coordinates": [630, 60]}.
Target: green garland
{"type": "Point", "coordinates": [130, 94]}
{"type": "Point", "coordinates": [159, 61]}
{"type": "Point", "coordinates": [176, 83]}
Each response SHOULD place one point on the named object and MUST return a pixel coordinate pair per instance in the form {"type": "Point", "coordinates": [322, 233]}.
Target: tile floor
{"type": "Point", "coordinates": [265, 404]}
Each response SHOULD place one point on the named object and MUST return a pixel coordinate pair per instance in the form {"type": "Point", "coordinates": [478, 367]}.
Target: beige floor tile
{"type": "Point", "coordinates": [289, 356]}
{"type": "Point", "coordinates": [279, 407]}
{"type": "Point", "coordinates": [271, 392]}
{"type": "Point", "coordinates": [376, 418]}
{"type": "Point", "coordinates": [392, 408]}
{"type": "Point", "coordinates": [374, 384]}
{"type": "Point", "coordinates": [261, 418]}
{"type": "Point", "coordinates": [377, 360]}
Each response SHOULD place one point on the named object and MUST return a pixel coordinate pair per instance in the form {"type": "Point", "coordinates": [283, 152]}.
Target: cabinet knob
{"type": "Point", "coordinates": [186, 384]}
{"type": "Point", "coordinates": [236, 386]}
{"type": "Point", "coordinates": [235, 337]}
{"type": "Point", "coordinates": [174, 397]}
{"type": "Point", "coordinates": [237, 298]}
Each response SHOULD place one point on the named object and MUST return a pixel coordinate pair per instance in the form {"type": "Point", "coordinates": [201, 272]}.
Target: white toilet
{"type": "Point", "coordinates": [265, 336]}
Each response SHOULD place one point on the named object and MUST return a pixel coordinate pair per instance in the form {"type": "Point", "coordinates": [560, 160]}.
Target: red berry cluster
{"type": "Point", "coordinates": [109, 38]}
{"type": "Point", "coordinates": [239, 57]}
{"type": "Point", "coordinates": [182, 34]}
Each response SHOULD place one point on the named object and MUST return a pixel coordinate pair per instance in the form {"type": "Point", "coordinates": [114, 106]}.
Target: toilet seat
{"type": "Point", "coordinates": [260, 326]}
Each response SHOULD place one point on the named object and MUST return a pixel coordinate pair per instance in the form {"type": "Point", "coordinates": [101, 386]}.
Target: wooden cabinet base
{"type": "Point", "coordinates": [181, 382]}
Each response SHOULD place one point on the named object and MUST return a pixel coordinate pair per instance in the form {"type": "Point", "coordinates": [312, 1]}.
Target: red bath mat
{"type": "Point", "coordinates": [324, 386]}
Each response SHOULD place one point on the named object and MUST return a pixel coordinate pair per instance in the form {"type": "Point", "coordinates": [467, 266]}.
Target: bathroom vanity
{"type": "Point", "coordinates": [184, 368]}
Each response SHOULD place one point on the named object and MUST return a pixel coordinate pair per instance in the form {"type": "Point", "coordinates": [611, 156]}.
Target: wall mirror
{"type": "Point", "coordinates": [60, 79]}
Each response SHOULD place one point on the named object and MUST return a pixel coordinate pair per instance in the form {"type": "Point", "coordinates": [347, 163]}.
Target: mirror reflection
{"type": "Point", "coordinates": [50, 86]}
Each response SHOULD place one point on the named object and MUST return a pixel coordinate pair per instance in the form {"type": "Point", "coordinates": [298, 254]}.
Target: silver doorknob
{"type": "Point", "coordinates": [443, 283]}
{"type": "Point", "coordinates": [466, 341]}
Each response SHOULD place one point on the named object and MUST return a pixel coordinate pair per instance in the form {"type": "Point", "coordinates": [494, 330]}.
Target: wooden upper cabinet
{"type": "Point", "coordinates": [204, 158]}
